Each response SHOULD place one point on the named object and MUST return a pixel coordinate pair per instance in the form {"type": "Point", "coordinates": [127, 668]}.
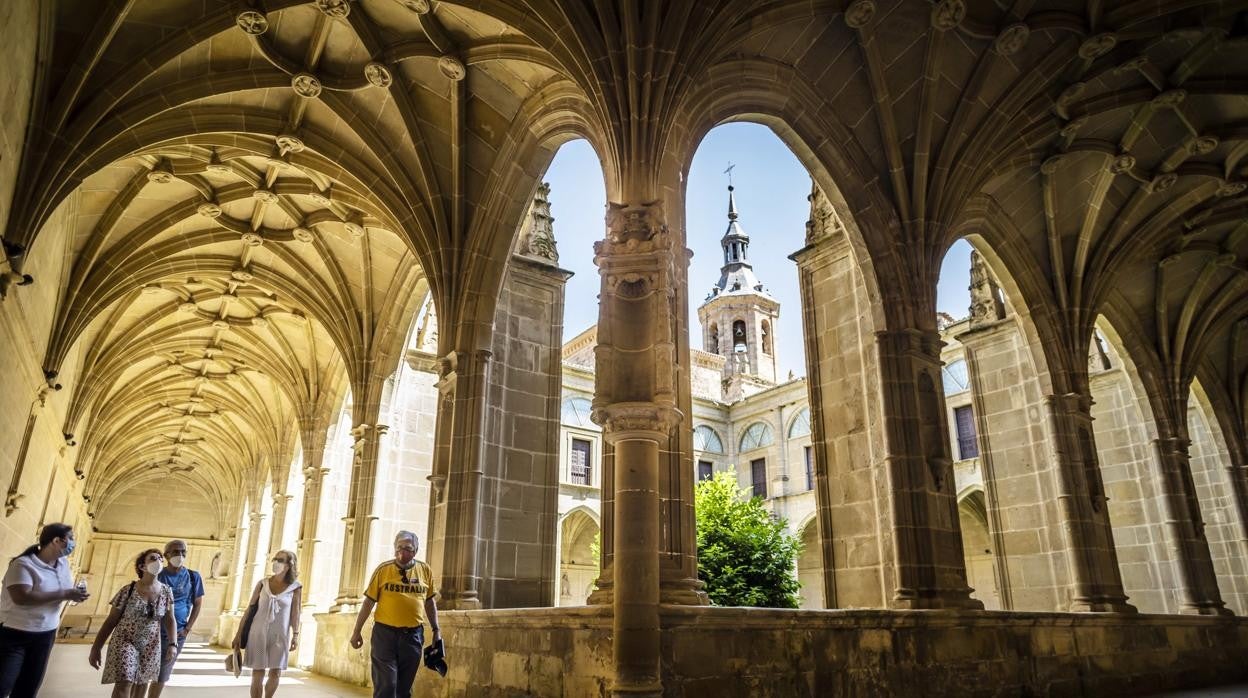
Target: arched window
{"type": "Point", "coordinates": [705, 439]}
{"type": "Point", "coordinates": [954, 377]}
{"type": "Point", "coordinates": [767, 338]}
{"type": "Point", "coordinates": [575, 412]}
{"type": "Point", "coordinates": [738, 336]}
{"type": "Point", "coordinates": [757, 435]}
{"type": "Point", "coordinates": [800, 426]}
{"type": "Point", "coordinates": [712, 340]}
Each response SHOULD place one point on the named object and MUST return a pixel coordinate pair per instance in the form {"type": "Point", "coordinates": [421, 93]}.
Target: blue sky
{"type": "Point", "coordinates": [771, 188]}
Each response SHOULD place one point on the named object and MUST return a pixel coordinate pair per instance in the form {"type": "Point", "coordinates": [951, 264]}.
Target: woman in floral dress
{"type": "Point", "coordinates": [138, 609]}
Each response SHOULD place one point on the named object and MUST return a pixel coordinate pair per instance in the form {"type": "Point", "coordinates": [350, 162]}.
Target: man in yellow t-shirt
{"type": "Point", "coordinates": [402, 590]}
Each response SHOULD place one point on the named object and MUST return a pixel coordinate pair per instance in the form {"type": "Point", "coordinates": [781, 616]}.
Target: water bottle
{"type": "Point", "coordinates": [81, 586]}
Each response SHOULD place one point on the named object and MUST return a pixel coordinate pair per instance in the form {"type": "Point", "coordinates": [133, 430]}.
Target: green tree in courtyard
{"type": "Point", "coordinates": [745, 557]}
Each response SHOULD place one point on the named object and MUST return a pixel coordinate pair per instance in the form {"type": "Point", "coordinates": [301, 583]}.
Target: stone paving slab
{"type": "Point", "coordinates": [199, 672]}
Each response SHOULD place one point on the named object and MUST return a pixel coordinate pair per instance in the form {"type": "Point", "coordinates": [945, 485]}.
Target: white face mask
{"type": "Point", "coordinates": [176, 561]}
{"type": "Point", "coordinates": [153, 567]}
{"type": "Point", "coordinates": [278, 567]}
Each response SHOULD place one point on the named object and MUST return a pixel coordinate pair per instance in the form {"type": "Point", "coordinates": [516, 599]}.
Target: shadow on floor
{"type": "Point", "coordinates": [200, 671]}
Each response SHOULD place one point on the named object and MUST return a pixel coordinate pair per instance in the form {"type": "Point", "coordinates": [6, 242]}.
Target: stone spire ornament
{"type": "Point", "coordinates": [823, 220]}
{"type": "Point", "coordinates": [537, 237]}
{"type": "Point", "coordinates": [986, 305]}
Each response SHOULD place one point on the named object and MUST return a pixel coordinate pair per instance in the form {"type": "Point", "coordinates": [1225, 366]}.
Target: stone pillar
{"type": "Point", "coordinates": [310, 518]}
{"type": "Point", "coordinates": [927, 539]}
{"type": "Point", "coordinates": [1019, 476]}
{"type": "Point", "coordinates": [1186, 528]}
{"type": "Point", "coordinates": [454, 517]}
{"type": "Point", "coordinates": [636, 401]}
{"type": "Point", "coordinates": [636, 431]}
{"type": "Point", "coordinates": [519, 508]}
{"type": "Point", "coordinates": [1096, 581]}
{"type": "Point", "coordinates": [836, 331]}
{"type": "Point", "coordinates": [360, 516]}
{"type": "Point", "coordinates": [234, 581]}
{"type": "Point", "coordinates": [678, 554]}
{"type": "Point", "coordinates": [254, 558]}
{"type": "Point", "coordinates": [278, 530]}
{"type": "Point", "coordinates": [888, 519]}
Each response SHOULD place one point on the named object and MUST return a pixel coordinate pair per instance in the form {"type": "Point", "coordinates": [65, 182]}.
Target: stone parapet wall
{"type": "Point", "coordinates": [227, 628]}
{"type": "Point", "coordinates": [760, 653]}
{"type": "Point", "coordinates": [334, 656]}
{"type": "Point", "coordinates": [538, 652]}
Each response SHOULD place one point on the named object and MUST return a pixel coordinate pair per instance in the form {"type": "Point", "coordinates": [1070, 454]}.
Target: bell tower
{"type": "Point", "coordinates": [739, 316]}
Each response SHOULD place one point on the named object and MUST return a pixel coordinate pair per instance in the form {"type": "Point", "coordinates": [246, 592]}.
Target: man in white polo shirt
{"type": "Point", "coordinates": [36, 584]}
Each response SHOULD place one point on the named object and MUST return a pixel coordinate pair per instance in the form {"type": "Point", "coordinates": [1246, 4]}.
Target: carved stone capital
{"type": "Point", "coordinates": [1075, 405]}
{"type": "Point", "coordinates": [646, 420]}
{"type": "Point", "coordinates": [633, 229]}
{"type": "Point", "coordinates": [1174, 446]}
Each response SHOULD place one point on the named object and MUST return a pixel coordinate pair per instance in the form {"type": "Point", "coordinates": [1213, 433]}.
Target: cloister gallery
{"type": "Point", "coordinates": [274, 275]}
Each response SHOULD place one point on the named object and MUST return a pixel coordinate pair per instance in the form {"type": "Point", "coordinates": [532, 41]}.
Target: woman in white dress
{"type": "Point", "coordinates": [275, 628]}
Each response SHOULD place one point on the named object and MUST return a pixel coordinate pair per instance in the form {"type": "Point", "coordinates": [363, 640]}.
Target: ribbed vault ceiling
{"type": "Point", "coordinates": [257, 197]}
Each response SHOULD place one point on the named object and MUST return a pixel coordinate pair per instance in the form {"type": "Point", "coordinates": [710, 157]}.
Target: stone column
{"type": "Point", "coordinates": [1019, 476]}
{"type": "Point", "coordinates": [309, 521]}
{"type": "Point", "coordinates": [454, 517]}
{"type": "Point", "coordinates": [1186, 528]}
{"type": "Point", "coordinates": [520, 485]}
{"type": "Point", "coordinates": [882, 467]}
{"type": "Point", "coordinates": [1096, 581]}
{"type": "Point", "coordinates": [927, 539]}
{"type": "Point", "coordinates": [678, 555]}
{"type": "Point", "coordinates": [278, 530]}
{"type": "Point", "coordinates": [254, 558]}
{"type": "Point", "coordinates": [360, 516]}
{"type": "Point", "coordinates": [636, 402]}
{"type": "Point", "coordinates": [234, 583]}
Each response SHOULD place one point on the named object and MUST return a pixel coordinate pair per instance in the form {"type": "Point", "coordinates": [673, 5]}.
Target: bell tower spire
{"type": "Point", "coordinates": [739, 316]}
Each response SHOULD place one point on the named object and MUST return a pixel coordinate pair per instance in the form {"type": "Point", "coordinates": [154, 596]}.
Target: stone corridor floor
{"type": "Point", "coordinates": [199, 672]}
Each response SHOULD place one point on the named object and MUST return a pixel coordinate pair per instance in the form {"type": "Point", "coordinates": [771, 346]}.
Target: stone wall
{"type": "Point", "coordinates": [762, 653]}
{"type": "Point", "coordinates": [1129, 470]}
{"type": "Point", "coordinates": [726, 652]}
{"type": "Point", "coordinates": [538, 652]}
{"type": "Point", "coordinates": [1017, 471]}
{"type": "Point", "coordinates": [18, 51]}
{"type": "Point", "coordinates": [182, 508]}
{"type": "Point", "coordinates": [1212, 473]}
{"type": "Point", "coordinates": [108, 565]}
{"type": "Point", "coordinates": [854, 499]}
{"type": "Point", "coordinates": [520, 469]}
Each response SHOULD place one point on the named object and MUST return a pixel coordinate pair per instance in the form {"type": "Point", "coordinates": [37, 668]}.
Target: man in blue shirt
{"type": "Point", "coordinates": [188, 594]}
